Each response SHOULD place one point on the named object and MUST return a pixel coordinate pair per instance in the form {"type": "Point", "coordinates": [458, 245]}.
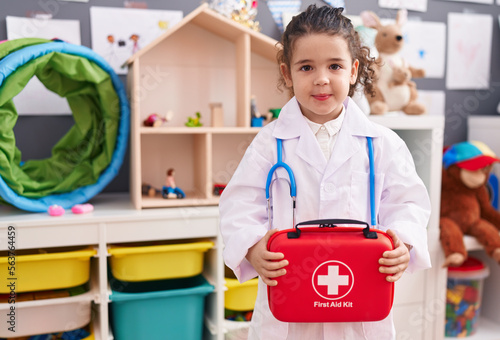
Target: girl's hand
{"type": "Point", "coordinates": [265, 262]}
{"type": "Point", "coordinates": [395, 261]}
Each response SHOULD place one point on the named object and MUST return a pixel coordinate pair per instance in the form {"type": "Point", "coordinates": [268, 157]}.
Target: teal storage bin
{"type": "Point", "coordinates": [159, 310]}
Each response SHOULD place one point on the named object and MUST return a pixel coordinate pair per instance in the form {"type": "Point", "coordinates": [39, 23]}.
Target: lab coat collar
{"type": "Point", "coordinates": [292, 124]}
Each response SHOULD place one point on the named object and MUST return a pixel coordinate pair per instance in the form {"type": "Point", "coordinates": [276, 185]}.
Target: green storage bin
{"type": "Point", "coordinates": [159, 310]}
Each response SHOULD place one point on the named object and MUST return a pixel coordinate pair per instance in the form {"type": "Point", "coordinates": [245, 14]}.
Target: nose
{"type": "Point", "coordinates": [399, 37]}
{"type": "Point", "coordinates": [321, 78]}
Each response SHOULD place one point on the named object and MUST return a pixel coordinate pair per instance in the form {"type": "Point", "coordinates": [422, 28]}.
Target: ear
{"type": "Point", "coordinates": [354, 71]}
{"type": "Point", "coordinates": [402, 17]}
{"type": "Point", "coordinates": [370, 19]}
{"type": "Point", "coordinates": [286, 75]}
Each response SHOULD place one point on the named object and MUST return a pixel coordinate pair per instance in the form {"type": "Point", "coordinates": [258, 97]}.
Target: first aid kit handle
{"type": "Point", "coordinates": [333, 223]}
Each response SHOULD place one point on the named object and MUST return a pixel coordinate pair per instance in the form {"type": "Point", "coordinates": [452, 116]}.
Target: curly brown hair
{"type": "Point", "coordinates": [327, 20]}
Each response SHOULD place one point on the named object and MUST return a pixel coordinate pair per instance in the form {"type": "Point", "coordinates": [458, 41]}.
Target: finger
{"type": "Point", "coordinates": [394, 278]}
{"type": "Point", "coordinates": [398, 252]}
{"type": "Point", "coordinates": [272, 265]}
{"type": "Point", "coordinates": [394, 261]}
{"type": "Point", "coordinates": [268, 281]}
{"type": "Point", "coordinates": [393, 269]}
{"type": "Point", "coordinates": [272, 256]}
{"type": "Point", "coordinates": [274, 273]}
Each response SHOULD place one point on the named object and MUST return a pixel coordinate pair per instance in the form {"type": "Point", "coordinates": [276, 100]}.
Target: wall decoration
{"type": "Point", "coordinates": [35, 99]}
{"type": "Point", "coordinates": [424, 46]}
{"type": "Point", "coordinates": [335, 3]}
{"type": "Point", "coordinates": [469, 51]}
{"type": "Point", "coordinates": [486, 2]}
{"type": "Point", "coordinates": [278, 7]}
{"type": "Point", "coordinates": [117, 33]}
{"type": "Point", "coordinates": [413, 5]}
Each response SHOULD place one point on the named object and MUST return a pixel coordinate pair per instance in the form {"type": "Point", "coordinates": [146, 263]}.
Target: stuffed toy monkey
{"type": "Point", "coordinates": [394, 91]}
{"type": "Point", "coordinates": [465, 203]}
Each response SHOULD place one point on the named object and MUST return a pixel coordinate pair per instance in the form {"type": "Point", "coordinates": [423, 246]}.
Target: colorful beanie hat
{"type": "Point", "coordinates": [469, 155]}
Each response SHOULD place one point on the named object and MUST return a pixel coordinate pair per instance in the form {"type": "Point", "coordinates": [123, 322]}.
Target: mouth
{"type": "Point", "coordinates": [322, 96]}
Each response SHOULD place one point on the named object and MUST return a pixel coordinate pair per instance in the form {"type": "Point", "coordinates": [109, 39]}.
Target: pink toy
{"type": "Point", "coordinates": [56, 210]}
{"type": "Point", "coordinates": [82, 208]}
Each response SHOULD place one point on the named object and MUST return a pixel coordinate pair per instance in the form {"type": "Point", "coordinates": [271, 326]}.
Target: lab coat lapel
{"type": "Point", "coordinates": [348, 143]}
{"type": "Point", "coordinates": [308, 149]}
{"type": "Point", "coordinates": [291, 124]}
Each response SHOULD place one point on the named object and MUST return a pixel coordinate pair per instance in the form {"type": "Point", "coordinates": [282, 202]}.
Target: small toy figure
{"type": "Point", "coordinates": [257, 117]}
{"type": "Point", "coordinates": [135, 41]}
{"type": "Point", "coordinates": [56, 210]}
{"type": "Point", "coordinates": [82, 208]}
{"type": "Point", "coordinates": [149, 190]}
{"type": "Point", "coordinates": [218, 189]}
{"type": "Point", "coordinates": [194, 122]}
{"type": "Point", "coordinates": [170, 190]}
{"type": "Point", "coordinates": [155, 120]}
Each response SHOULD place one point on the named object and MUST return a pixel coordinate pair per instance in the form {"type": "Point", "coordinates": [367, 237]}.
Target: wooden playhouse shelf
{"type": "Point", "coordinates": [204, 59]}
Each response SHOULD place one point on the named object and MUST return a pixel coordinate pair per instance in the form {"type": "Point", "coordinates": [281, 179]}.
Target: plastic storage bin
{"type": "Point", "coordinates": [46, 316]}
{"type": "Point", "coordinates": [463, 297]}
{"type": "Point", "coordinates": [159, 310]}
{"type": "Point", "coordinates": [240, 296]}
{"type": "Point", "coordinates": [56, 268]}
{"type": "Point", "coordinates": [158, 262]}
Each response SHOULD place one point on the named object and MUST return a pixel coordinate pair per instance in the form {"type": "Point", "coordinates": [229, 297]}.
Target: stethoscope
{"type": "Point", "coordinates": [293, 186]}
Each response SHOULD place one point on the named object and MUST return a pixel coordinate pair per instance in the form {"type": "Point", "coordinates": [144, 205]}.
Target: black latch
{"type": "Point", "coordinates": [370, 234]}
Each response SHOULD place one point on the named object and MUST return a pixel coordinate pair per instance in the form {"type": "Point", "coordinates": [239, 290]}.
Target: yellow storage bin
{"type": "Point", "coordinates": [240, 296]}
{"type": "Point", "coordinates": [158, 262]}
{"type": "Point", "coordinates": [56, 268]}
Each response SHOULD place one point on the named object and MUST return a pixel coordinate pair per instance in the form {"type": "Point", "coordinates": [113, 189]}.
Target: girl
{"type": "Point", "coordinates": [324, 142]}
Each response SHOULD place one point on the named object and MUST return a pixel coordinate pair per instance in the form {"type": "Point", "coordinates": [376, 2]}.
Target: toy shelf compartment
{"type": "Point", "coordinates": [44, 269]}
{"type": "Point", "coordinates": [197, 65]}
{"type": "Point", "coordinates": [201, 159]}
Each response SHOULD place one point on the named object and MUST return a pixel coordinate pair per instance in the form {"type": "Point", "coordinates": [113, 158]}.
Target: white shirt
{"type": "Point", "coordinates": [326, 133]}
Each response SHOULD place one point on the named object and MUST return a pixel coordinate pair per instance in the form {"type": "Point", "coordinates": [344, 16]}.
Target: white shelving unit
{"type": "Point", "coordinates": [420, 298]}
{"type": "Point", "coordinates": [114, 220]}
{"type": "Point", "coordinates": [485, 129]}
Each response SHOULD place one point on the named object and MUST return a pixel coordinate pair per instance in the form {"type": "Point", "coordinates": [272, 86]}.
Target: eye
{"type": "Point", "coordinates": [306, 68]}
{"type": "Point", "coordinates": [335, 67]}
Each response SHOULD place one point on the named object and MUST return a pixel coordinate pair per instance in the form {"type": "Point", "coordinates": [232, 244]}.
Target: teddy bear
{"type": "Point", "coordinates": [394, 90]}
{"type": "Point", "coordinates": [465, 202]}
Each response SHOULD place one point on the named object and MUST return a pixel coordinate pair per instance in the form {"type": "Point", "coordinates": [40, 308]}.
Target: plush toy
{"type": "Point", "coordinates": [465, 203]}
{"type": "Point", "coordinates": [394, 90]}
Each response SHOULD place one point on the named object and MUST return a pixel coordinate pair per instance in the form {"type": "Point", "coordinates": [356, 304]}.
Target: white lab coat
{"type": "Point", "coordinates": [334, 189]}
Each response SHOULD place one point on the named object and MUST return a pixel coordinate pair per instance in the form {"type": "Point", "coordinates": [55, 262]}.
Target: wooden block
{"type": "Point", "coordinates": [217, 114]}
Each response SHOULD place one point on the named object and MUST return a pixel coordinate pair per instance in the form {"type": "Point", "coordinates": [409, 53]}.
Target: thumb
{"type": "Point", "coordinates": [270, 233]}
{"type": "Point", "coordinates": [394, 237]}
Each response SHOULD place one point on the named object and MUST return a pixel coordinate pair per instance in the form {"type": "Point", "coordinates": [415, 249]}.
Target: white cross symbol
{"type": "Point", "coordinates": [333, 280]}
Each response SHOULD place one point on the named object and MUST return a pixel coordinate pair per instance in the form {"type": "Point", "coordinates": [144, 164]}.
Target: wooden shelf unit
{"type": "Point", "coordinates": [205, 59]}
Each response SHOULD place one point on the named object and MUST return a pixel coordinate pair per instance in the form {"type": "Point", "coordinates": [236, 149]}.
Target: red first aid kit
{"type": "Point", "coordinates": [333, 273]}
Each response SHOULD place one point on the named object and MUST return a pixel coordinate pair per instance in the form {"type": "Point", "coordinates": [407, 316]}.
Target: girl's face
{"type": "Point", "coordinates": [321, 71]}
